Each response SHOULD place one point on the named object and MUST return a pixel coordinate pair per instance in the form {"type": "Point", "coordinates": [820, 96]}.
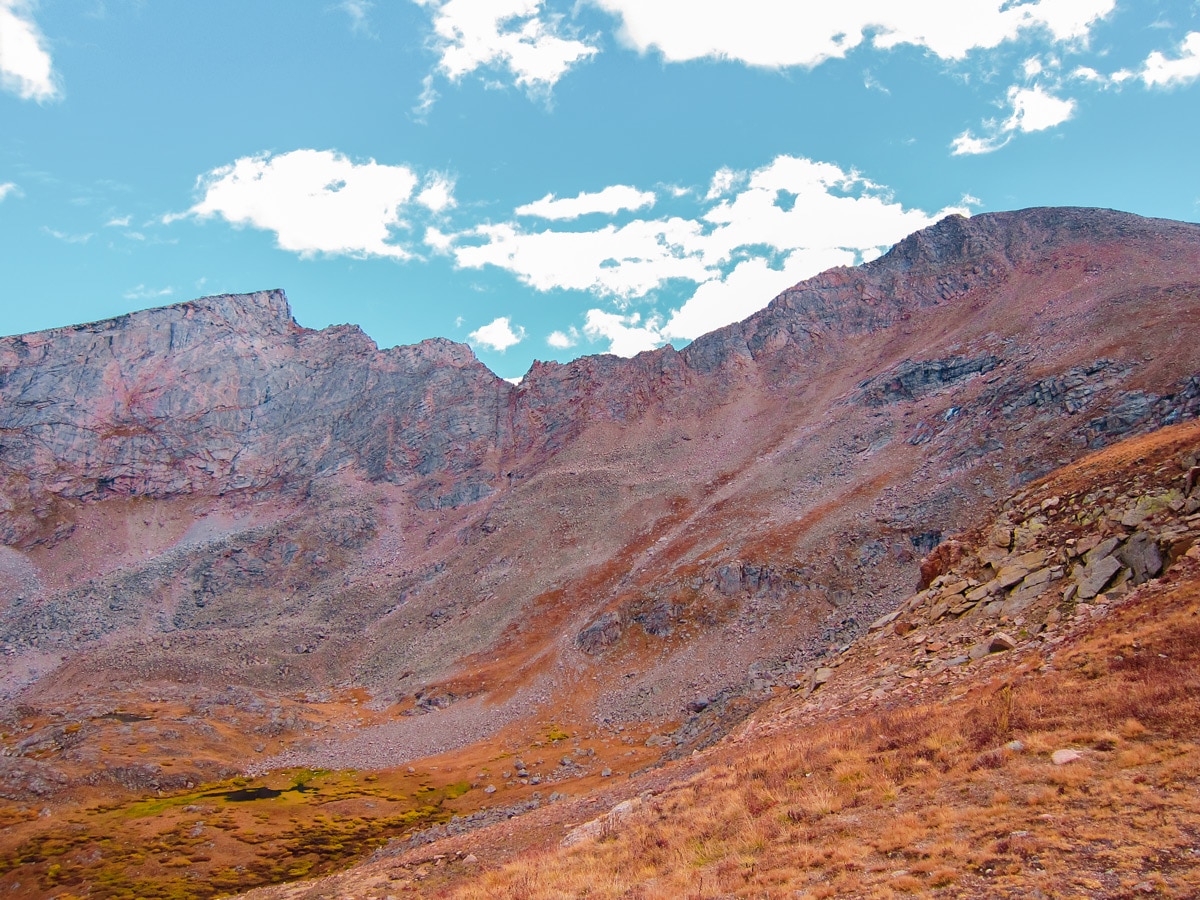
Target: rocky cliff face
{"type": "Point", "coordinates": [229, 394]}
{"type": "Point", "coordinates": [208, 494]}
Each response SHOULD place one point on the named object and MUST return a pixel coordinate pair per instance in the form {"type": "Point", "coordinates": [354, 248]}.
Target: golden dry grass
{"type": "Point", "coordinates": [929, 801]}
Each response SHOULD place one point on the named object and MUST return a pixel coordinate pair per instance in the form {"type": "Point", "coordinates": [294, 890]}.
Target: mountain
{"type": "Point", "coordinates": [235, 545]}
{"type": "Point", "coordinates": [1027, 725]}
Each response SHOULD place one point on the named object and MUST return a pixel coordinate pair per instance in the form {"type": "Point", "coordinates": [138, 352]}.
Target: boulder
{"type": "Point", "coordinates": [884, 620]}
{"type": "Point", "coordinates": [1092, 577]}
{"type": "Point", "coordinates": [1100, 549]}
{"type": "Point", "coordinates": [1010, 575]}
{"type": "Point", "coordinates": [1001, 643]}
{"type": "Point", "coordinates": [976, 594]}
{"type": "Point", "coordinates": [608, 823]}
{"type": "Point", "coordinates": [1141, 555]}
{"type": "Point", "coordinates": [603, 632]}
{"type": "Point", "coordinates": [1020, 599]}
{"type": "Point", "coordinates": [1001, 536]}
{"type": "Point", "coordinates": [1062, 757]}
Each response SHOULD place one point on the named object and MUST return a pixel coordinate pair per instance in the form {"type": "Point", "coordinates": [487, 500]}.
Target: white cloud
{"type": "Point", "coordinates": [766, 230]}
{"type": "Point", "coordinates": [25, 65]}
{"type": "Point", "coordinates": [799, 204]}
{"type": "Point", "coordinates": [627, 335]}
{"type": "Point", "coordinates": [748, 288]}
{"type": "Point", "coordinates": [498, 335]}
{"type": "Point", "coordinates": [517, 35]}
{"type": "Point", "coordinates": [141, 292]}
{"type": "Point", "coordinates": [66, 237]}
{"type": "Point", "coordinates": [438, 193]}
{"type": "Point", "coordinates": [118, 222]}
{"type": "Point", "coordinates": [426, 100]}
{"type": "Point", "coordinates": [967, 144]}
{"type": "Point", "coordinates": [1033, 109]}
{"type": "Point", "coordinates": [438, 240]}
{"type": "Point", "coordinates": [771, 34]}
{"type": "Point", "coordinates": [826, 209]}
{"type": "Point", "coordinates": [358, 11]}
{"type": "Point", "coordinates": [7, 188]}
{"type": "Point", "coordinates": [611, 200]}
{"type": "Point", "coordinates": [722, 183]}
{"type": "Point", "coordinates": [871, 83]}
{"type": "Point", "coordinates": [626, 261]}
{"type": "Point", "coordinates": [1159, 71]}
{"type": "Point", "coordinates": [316, 201]}
{"type": "Point", "coordinates": [563, 340]}
{"type": "Point", "coordinates": [1087, 73]}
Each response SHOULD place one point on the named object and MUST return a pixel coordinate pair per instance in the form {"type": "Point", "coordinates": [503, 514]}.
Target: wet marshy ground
{"type": "Point", "coordinates": [219, 838]}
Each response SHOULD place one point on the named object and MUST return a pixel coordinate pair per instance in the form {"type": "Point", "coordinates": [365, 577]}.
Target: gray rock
{"type": "Point", "coordinates": [603, 632]}
{"type": "Point", "coordinates": [1021, 598]}
{"type": "Point", "coordinates": [1104, 548]}
{"type": "Point", "coordinates": [1001, 643]}
{"type": "Point", "coordinates": [1063, 757]}
{"type": "Point", "coordinates": [884, 620]}
{"type": "Point", "coordinates": [1095, 575]}
{"type": "Point", "coordinates": [984, 590]}
{"type": "Point", "coordinates": [1141, 555]}
{"type": "Point", "coordinates": [237, 396]}
{"type": "Point", "coordinates": [1010, 575]}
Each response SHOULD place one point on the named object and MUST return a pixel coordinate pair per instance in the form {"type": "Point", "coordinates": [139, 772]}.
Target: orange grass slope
{"type": "Point", "coordinates": [952, 783]}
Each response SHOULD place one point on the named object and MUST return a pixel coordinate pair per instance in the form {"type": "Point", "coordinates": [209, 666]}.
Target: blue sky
{"type": "Point", "coordinates": [545, 179]}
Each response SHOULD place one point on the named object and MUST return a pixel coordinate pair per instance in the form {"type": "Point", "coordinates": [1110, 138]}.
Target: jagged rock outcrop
{"type": "Point", "coordinates": [228, 394]}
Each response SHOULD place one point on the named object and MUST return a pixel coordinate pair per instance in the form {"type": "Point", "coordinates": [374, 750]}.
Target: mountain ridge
{"type": "Point", "coordinates": [303, 551]}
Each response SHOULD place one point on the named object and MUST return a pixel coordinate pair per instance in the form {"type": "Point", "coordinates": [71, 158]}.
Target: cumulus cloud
{"type": "Point", "coordinates": [627, 335]}
{"type": "Point", "coordinates": [626, 261]}
{"type": "Point", "coordinates": [764, 230]}
{"type": "Point", "coordinates": [498, 335]}
{"type": "Point", "coordinates": [745, 290]}
{"type": "Point", "coordinates": [118, 222]}
{"type": "Point", "coordinates": [611, 200]}
{"type": "Point", "coordinates": [7, 188]}
{"type": "Point", "coordinates": [519, 36]}
{"type": "Point", "coordinates": [1160, 70]}
{"type": "Point", "coordinates": [318, 201]}
{"type": "Point", "coordinates": [438, 193]}
{"type": "Point", "coordinates": [25, 65]}
{"type": "Point", "coordinates": [791, 206]}
{"type": "Point", "coordinates": [1032, 109]}
{"type": "Point", "coordinates": [1035, 109]}
{"type": "Point", "coordinates": [770, 34]}
{"type": "Point", "coordinates": [722, 183]}
{"type": "Point", "coordinates": [563, 340]}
